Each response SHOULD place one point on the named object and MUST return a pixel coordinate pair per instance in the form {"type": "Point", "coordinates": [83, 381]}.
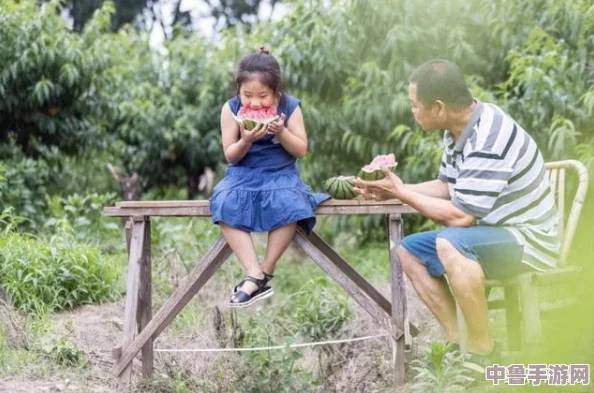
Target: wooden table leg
{"type": "Point", "coordinates": [399, 304]}
{"type": "Point", "coordinates": [135, 258]}
{"type": "Point", "coordinates": [145, 304]}
{"type": "Point", "coordinates": [197, 278]}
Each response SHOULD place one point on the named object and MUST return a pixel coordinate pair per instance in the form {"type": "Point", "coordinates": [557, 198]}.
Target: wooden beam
{"type": "Point", "coordinates": [353, 290]}
{"type": "Point", "coordinates": [199, 276]}
{"type": "Point", "coordinates": [201, 208]}
{"type": "Point", "coordinates": [513, 318]}
{"type": "Point", "coordinates": [128, 233]}
{"type": "Point", "coordinates": [399, 303]}
{"type": "Point", "coordinates": [530, 311]}
{"type": "Point", "coordinates": [206, 203]}
{"type": "Point", "coordinates": [145, 303]}
{"type": "Point", "coordinates": [352, 274]}
{"type": "Point", "coordinates": [132, 288]}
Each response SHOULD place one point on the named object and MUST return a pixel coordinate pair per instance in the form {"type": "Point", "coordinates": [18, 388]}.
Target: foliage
{"type": "Point", "coordinates": [53, 274]}
{"type": "Point", "coordinates": [49, 78]}
{"type": "Point", "coordinates": [126, 11]}
{"type": "Point", "coordinates": [82, 216]}
{"type": "Point", "coordinates": [23, 187]}
{"type": "Point", "coordinates": [316, 311]}
{"type": "Point", "coordinates": [64, 352]}
{"type": "Point", "coordinates": [275, 371]}
{"type": "Point", "coordinates": [164, 109]}
{"type": "Point", "coordinates": [438, 370]}
{"type": "Point", "coordinates": [549, 86]}
{"type": "Point", "coordinates": [228, 13]}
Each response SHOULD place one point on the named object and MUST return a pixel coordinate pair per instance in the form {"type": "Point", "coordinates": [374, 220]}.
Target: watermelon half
{"type": "Point", "coordinates": [250, 118]}
{"type": "Point", "coordinates": [373, 170]}
{"type": "Point", "coordinates": [340, 187]}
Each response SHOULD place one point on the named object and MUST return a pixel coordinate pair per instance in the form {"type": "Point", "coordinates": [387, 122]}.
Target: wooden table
{"type": "Point", "coordinates": [390, 315]}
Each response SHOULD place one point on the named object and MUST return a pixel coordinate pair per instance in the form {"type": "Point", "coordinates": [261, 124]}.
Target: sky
{"type": "Point", "coordinates": [203, 24]}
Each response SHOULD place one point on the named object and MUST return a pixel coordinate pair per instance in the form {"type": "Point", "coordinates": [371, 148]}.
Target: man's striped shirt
{"type": "Point", "coordinates": [496, 173]}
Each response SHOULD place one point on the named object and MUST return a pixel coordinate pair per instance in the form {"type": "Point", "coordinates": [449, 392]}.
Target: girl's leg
{"type": "Point", "coordinates": [243, 246]}
{"type": "Point", "coordinates": [278, 241]}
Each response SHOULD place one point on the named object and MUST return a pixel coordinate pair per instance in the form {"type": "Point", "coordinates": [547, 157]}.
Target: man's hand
{"type": "Point", "coordinates": [379, 190]}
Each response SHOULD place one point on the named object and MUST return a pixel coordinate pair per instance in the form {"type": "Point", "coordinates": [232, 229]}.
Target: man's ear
{"type": "Point", "coordinates": [440, 107]}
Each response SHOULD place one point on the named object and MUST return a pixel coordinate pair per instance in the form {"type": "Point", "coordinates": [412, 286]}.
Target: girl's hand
{"type": "Point", "coordinates": [254, 134]}
{"type": "Point", "coordinates": [276, 127]}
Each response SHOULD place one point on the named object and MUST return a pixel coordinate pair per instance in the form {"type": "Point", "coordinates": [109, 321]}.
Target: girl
{"type": "Point", "coordinates": [262, 190]}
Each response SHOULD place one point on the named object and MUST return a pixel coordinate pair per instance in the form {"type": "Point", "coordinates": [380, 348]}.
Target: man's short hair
{"type": "Point", "coordinates": [442, 80]}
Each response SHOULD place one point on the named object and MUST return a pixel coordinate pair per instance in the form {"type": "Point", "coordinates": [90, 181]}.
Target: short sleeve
{"type": "Point", "coordinates": [442, 168]}
{"type": "Point", "coordinates": [234, 104]}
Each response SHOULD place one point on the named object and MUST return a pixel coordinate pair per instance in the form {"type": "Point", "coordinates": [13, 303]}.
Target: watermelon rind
{"type": "Point", "coordinates": [376, 174]}
{"type": "Point", "coordinates": [250, 124]}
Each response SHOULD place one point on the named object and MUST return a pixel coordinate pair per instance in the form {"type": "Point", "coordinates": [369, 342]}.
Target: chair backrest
{"type": "Point", "coordinates": [556, 171]}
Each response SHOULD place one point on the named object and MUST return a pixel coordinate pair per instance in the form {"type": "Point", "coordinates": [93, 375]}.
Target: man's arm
{"type": "Point", "coordinates": [439, 210]}
{"type": "Point", "coordinates": [433, 188]}
{"type": "Point", "coordinates": [442, 211]}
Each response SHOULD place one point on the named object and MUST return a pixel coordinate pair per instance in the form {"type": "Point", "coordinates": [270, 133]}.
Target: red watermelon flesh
{"type": "Point", "coordinates": [252, 117]}
{"type": "Point", "coordinates": [385, 159]}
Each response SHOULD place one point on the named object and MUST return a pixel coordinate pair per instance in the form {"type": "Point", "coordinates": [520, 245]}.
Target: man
{"type": "Point", "coordinates": [492, 194]}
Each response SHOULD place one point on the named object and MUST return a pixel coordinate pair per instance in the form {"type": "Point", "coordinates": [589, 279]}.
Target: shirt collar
{"type": "Point", "coordinates": [476, 114]}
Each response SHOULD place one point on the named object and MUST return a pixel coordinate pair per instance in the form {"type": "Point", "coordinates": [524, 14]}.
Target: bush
{"type": "Point", "coordinates": [83, 217]}
{"type": "Point", "coordinates": [48, 275]}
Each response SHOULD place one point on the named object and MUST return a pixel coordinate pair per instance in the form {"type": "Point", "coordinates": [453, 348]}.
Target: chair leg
{"type": "Point", "coordinates": [513, 319]}
{"type": "Point", "coordinates": [530, 308]}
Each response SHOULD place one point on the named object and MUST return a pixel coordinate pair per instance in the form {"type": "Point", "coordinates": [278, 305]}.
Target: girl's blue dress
{"type": "Point", "coordinates": [264, 191]}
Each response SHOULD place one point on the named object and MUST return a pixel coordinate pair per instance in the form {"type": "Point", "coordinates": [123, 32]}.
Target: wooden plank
{"type": "Point", "coordinates": [399, 304]}
{"type": "Point", "coordinates": [205, 203]}
{"type": "Point", "coordinates": [559, 304]}
{"type": "Point", "coordinates": [132, 288]}
{"type": "Point", "coordinates": [204, 211]}
{"type": "Point", "coordinates": [354, 291]}
{"type": "Point", "coordinates": [157, 211]}
{"type": "Point", "coordinates": [199, 276]}
{"type": "Point", "coordinates": [558, 275]}
{"type": "Point", "coordinates": [530, 309]}
{"type": "Point", "coordinates": [145, 303]}
{"type": "Point", "coordinates": [352, 274]}
{"type": "Point", "coordinates": [513, 318]}
{"type": "Point", "coordinates": [128, 233]}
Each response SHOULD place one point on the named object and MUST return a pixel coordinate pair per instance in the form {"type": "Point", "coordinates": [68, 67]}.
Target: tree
{"type": "Point", "coordinates": [48, 78]}
{"type": "Point", "coordinates": [164, 115]}
{"type": "Point", "coordinates": [126, 11]}
{"type": "Point", "coordinates": [229, 13]}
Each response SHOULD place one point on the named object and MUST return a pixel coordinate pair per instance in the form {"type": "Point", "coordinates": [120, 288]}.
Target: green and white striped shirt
{"type": "Point", "coordinates": [496, 173]}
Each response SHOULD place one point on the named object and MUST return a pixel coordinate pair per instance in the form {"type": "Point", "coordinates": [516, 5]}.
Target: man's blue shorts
{"type": "Point", "coordinates": [494, 248]}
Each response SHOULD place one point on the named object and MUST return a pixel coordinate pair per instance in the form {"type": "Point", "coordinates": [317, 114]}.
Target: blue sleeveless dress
{"type": "Point", "coordinates": [264, 190]}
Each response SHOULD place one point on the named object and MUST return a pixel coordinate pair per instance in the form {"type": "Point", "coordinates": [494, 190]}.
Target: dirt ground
{"type": "Point", "coordinates": [96, 329]}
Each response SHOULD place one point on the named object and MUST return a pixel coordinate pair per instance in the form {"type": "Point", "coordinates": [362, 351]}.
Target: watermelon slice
{"type": "Point", "coordinates": [373, 170]}
{"type": "Point", "coordinates": [250, 118]}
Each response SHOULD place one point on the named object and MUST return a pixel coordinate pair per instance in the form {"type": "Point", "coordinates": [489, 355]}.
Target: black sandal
{"type": "Point", "coordinates": [267, 277]}
{"type": "Point", "coordinates": [244, 299]}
